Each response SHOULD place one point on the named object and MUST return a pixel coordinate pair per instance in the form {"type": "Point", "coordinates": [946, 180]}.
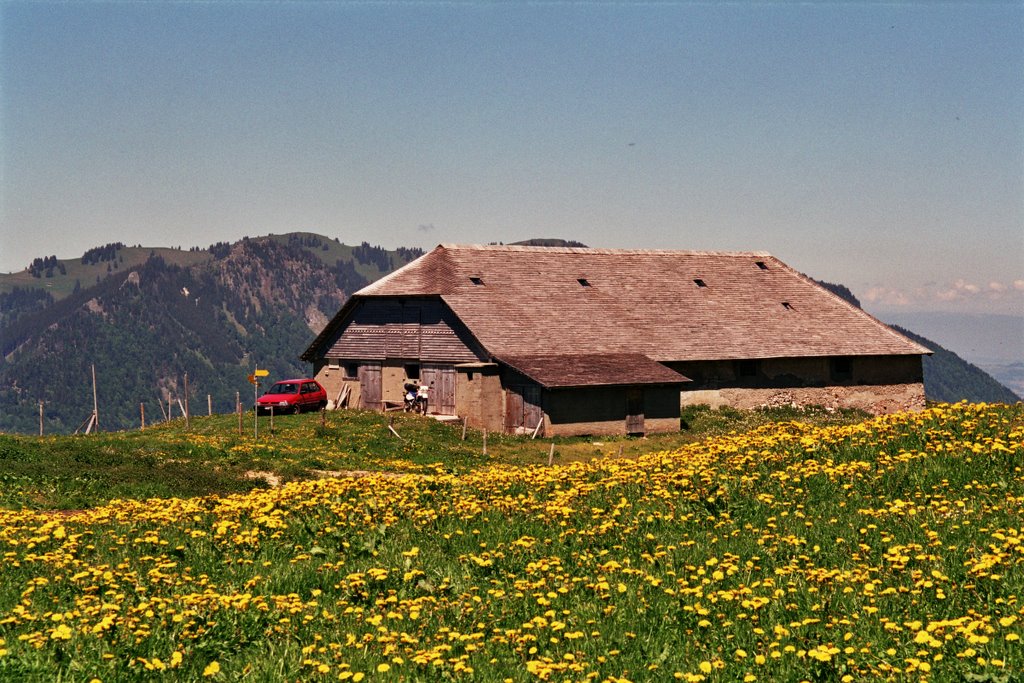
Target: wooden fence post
{"type": "Point", "coordinates": [142, 413]}
{"type": "Point", "coordinates": [485, 441]}
{"type": "Point", "coordinates": [209, 406]}
{"type": "Point", "coordinates": [464, 420]}
{"type": "Point", "coordinates": [95, 402]}
{"type": "Point", "coordinates": [551, 454]}
{"type": "Point", "coordinates": [188, 424]}
{"type": "Point", "coordinates": [40, 418]}
{"type": "Point", "coordinates": [238, 409]}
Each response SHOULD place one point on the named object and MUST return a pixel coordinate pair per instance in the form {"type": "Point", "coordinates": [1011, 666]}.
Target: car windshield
{"type": "Point", "coordinates": [284, 388]}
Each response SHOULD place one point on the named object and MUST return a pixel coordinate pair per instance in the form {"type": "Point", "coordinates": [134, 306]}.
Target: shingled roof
{"type": "Point", "coordinates": [612, 369]}
{"type": "Point", "coordinates": [666, 305]}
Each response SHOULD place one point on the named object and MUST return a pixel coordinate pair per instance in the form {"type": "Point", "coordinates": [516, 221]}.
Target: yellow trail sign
{"type": "Point", "coordinates": [261, 373]}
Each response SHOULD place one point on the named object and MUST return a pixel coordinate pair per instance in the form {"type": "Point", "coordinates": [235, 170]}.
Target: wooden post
{"type": "Point", "coordinates": [238, 409]}
{"type": "Point", "coordinates": [323, 417]}
{"type": "Point", "coordinates": [188, 424]}
{"type": "Point", "coordinates": [87, 424]}
{"type": "Point", "coordinates": [620, 450]}
{"type": "Point", "coordinates": [391, 421]}
{"type": "Point", "coordinates": [209, 406]}
{"type": "Point", "coordinates": [537, 428]}
{"type": "Point", "coordinates": [271, 419]}
{"type": "Point", "coordinates": [255, 404]}
{"type": "Point", "coordinates": [95, 402]}
{"type": "Point", "coordinates": [464, 420]}
{"type": "Point", "coordinates": [142, 413]}
{"type": "Point", "coordinates": [40, 418]}
{"type": "Point", "coordinates": [160, 404]}
{"type": "Point", "coordinates": [551, 454]}
{"type": "Point", "coordinates": [485, 441]}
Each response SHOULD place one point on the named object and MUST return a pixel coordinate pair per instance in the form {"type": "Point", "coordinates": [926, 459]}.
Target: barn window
{"type": "Point", "coordinates": [699, 282]}
{"type": "Point", "coordinates": [584, 282]}
{"type": "Point", "coordinates": [351, 370]}
{"type": "Point", "coordinates": [762, 265]}
{"type": "Point", "coordinates": [842, 368]}
{"type": "Point", "coordinates": [747, 368]}
{"type": "Point", "coordinates": [412, 371]}
{"type": "Point", "coordinates": [476, 280]}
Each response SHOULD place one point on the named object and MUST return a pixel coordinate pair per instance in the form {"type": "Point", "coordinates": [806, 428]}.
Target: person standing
{"type": "Point", "coordinates": [423, 397]}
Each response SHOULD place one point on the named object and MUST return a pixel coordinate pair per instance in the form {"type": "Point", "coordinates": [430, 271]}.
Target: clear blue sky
{"type": "Point", "coordinates": [878, 145]}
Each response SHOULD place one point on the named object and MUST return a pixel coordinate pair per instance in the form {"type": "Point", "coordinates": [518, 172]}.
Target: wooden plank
{"type": "Point", "coordinates": [634, 411]}
{"type": "Point", "coordinates": [370, 385]}
{"type": "Point", "coordinates": [513, 409]}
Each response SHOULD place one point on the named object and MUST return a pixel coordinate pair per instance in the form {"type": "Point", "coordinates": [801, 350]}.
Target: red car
{"type": "Point", "coordinates": [292, 396]}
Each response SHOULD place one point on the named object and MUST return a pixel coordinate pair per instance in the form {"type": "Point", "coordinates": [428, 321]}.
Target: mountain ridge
{"type": "Point", "coordinates": [153, 314]}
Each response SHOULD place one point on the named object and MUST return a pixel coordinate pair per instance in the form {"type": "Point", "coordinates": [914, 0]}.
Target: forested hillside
{"type": "Point", "coordinates": [259, 301]}
{"type": "Point", "coordinates": [947, 376]}
{"type": "Point", "coordinates": [144, 317]}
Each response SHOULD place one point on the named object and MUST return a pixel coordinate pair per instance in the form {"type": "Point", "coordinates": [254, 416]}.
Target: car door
{"type": "Point", "coordinates": [308, 396]}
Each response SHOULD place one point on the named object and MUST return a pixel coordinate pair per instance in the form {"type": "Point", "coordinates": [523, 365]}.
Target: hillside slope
{"type": "Point", "coordinates": [144, 317]}
{"type": "Point", "coordinates": [259, 301]}
{"type": "Point", "coordinates": [947, 377]}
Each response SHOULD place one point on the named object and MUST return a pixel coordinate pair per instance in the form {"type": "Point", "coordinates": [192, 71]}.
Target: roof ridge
{"type": "Point", "coordinates": [598, 250]}
{"type": "Point", "coordinates": [398, 272]}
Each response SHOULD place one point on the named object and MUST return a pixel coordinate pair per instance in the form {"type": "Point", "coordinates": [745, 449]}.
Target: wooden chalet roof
{"type": "Point", "coordinates": [666, 305]}
{"type": "Point", "coordinates": [614, 369]}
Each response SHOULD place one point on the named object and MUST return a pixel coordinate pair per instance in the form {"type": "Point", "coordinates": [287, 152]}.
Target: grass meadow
{"type": "Point", "coordinates": [753, 549]}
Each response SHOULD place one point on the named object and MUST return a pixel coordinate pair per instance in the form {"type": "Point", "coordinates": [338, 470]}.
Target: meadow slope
{"type": "Point", "coordinates": [892, 549]}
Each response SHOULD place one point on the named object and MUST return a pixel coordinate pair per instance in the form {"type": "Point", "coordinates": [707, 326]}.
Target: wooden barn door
{"type": "Point", "coordinates": [523, 408]}
{"type": "Point", "coordinates": [442, 394]}
{"type": "Point", "coordinates": [513, 409]}
{"type": "Point", "coordinates": [532, 411]}
{"type": "Point", "coordinates": [369, 386]}
{"type": "Point", "coordinates": [634, 411]}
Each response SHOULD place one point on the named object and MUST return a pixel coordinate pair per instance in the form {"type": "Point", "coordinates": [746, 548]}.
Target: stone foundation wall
{"type": "Point", "coordinates": [607, 428]}
{"type": "Point", "coordinates": [877, 399]}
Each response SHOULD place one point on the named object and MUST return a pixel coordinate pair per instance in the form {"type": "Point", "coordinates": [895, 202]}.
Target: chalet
{"type": "Point", "coordinates": [605, 341]}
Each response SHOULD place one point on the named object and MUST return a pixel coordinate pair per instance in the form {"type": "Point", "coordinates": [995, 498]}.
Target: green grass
{"type": "Point", "coordinates": [60, 286]}
{"type": "Point", "coordinates": [210, 457]}
{"type": "Point", "coordinates": [887, 550]}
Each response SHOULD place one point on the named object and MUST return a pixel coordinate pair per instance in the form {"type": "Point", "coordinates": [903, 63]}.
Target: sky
{"type": "Point", "coordinates": [879, 145]}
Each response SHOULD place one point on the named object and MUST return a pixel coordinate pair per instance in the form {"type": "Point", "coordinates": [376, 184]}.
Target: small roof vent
{"type": "Point", "coordinates": [476, 279]}
{"type": "Point", "coordinates": [584, 282]}
{"type": "Point", "coordinates": [761, 264]}
{"type": "Point", "coordinates": [788, 306]}
{"type": "Point", "coordinates": [699, 282]}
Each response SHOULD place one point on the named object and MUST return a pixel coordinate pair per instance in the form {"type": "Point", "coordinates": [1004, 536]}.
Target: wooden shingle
{"type": "Point", "coordinates": [666, 305]}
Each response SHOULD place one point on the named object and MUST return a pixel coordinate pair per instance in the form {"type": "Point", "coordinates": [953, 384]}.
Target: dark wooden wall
{"type": "Point", "coordinates": [414, 329]}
